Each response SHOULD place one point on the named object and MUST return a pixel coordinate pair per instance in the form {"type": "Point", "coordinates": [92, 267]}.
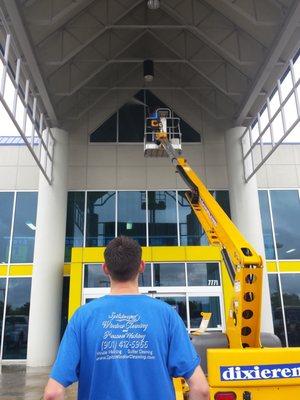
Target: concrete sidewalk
{"type": "Point", "coordinates": [17, 383]}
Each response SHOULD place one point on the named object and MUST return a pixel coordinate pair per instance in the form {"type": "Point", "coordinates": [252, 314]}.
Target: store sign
{"type": "Point", "coordinates": [259, 372]}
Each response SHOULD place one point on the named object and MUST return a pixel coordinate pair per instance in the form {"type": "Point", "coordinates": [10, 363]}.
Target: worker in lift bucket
{"type": "Point", "coordinates": [155, 121]}
{"type": "Point", "coordinates": [126, 345]}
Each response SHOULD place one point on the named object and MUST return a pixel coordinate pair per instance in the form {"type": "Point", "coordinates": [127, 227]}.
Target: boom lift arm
{"type": "Point", "coordinates": [243, 264]}
{"type": "Point", "coordinates": [258, 372]}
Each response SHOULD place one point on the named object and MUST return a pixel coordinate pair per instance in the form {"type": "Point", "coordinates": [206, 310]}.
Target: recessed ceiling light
{"type": "Point", "coordinates": [290, 250]}
{"type": "Point", "coordinates": [153, 4]}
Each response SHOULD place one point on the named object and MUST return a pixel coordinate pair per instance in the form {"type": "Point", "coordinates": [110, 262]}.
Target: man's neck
{"type": "Point", "coordinates": [124, 288]}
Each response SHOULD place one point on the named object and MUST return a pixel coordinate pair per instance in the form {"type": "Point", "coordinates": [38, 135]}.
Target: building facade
{"type": "Point", "coordinates": [112, 190]}
{"type": "Point", "coordinates": [77, 67]}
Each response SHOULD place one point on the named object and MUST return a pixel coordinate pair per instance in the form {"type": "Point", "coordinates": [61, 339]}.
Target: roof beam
{"type": "Point", "coordinates": [22, 38]}
{"type": "Point", "coordinates": [82, 112]}
{"type": "Point", "coordinates": [273, 55]}
{"type": "Point", "coordinates": [74, 9]}
{"type": "Point", "coordinates": [214, 46]}
{"type": "Point", "coordinates": [196, 69]}
{"type": "Point", "coordinates": [102, 67]}
{"type": "Point", "coordinates": [92, 38]}
{"type": "Point", "coordinates": [242, 13]}
{"type": "Point", "coordinates": [196, 101]}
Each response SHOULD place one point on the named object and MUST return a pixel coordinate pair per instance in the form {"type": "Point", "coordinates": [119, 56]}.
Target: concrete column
{"type": "Point", "coordinates": [245, 211]}
{"type": "Point", "coordinates": [47, 276]}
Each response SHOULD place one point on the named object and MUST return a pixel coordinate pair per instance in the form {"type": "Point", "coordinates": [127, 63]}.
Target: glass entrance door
{"type": "Point", "coordinates": [189, 288]}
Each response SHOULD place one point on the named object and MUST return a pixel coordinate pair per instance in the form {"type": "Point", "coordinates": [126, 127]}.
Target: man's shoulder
{"type": "Point", "coordinates": [89, 308]}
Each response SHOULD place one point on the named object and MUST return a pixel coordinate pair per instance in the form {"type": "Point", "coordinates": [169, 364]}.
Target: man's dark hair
{"type": "Point", "coordinates": [123, 258]}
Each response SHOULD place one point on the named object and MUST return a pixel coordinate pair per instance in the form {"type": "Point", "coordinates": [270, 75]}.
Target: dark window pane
{"type": "Point", "coordinates": [131, 119]}
{"type": "Point", "coordinates": [132, 215]}
{"type": "Point", "coordinates": [100, 224]}
{"type": "Point", "coordinates": [24, 228]}
{"type": "Point", "coordinates": [131, 123]}
{"type": "Point", "coordinates": [145, 277]}
{"type": "Point", "coordinates": [162, 218]}
{"type": "Point", "coordinates": [291, 298]}
{"type": "Point", "coordinates": [6, 210]}
{"type": "Point", "coordinates": [205, 304]}
{"type": "Point", "coordinates": [88, 300]}
{"type": "Point", "coordinates": [276, 307]}
{"type": "Point", "coordinates": [94, 277]}
{"type": "Point", "coordinates": [286, 216]}
{"type": "Point", "coordinates": [169, 274]}
{"type": "Point", "coordinates": [266, 224]}
{"type": "Point", "coordinates": [75, 222]}
{"type": "Point", "coordinates": [65, 305]}
{"type": "Point", "coordinates": [222, 197]}
{"type": "Point", "coordinates": [203, 274]}
{"type": "Point", "coordinates": [153, 102]}
{"type": "Point", "coordinates": [2, 297]}
{"type": "Point", "coordinates": [189, 134]}
{"type": "Point", "coordinates": [140, 95]}
{"type": "Point", "coordinates": [179, 305]}
{"type": "Point", "coordinates": [16, 321]}
{"type": "Point", "coordinates": [107, 132]}
{"type": "Point", "coordinates": [190, 229]}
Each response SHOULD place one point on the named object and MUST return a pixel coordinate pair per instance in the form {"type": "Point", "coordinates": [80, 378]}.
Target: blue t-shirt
{"type": "Point", "coordinates": [125, 347]}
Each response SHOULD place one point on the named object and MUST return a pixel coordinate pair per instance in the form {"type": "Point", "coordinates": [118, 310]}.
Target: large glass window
{"type": "Point", "coordinates": [127, 124]}
{"type": "Point", "coordinates": [291, 298]}
{"type": "Point", "coordinates": [190, 229]}
{"type": "Point", "coordinates": [162, 218]}
{"type": "Point", "coordinates": [203, 274]}
{"type": "Point", "coordinates": [131, 122]}
{"type": "Point", "coordinates": [205, 304]}
{"type": "Point", "coordinates": [100, 224]}
{"type": "Point", "coordinates": [132, 215]}
{"type": "Point", "coordinates": [75, 222]}
{"type": "Point", "coordinates": [16, 320]}
{"type": "Point", "coordinates": [169, 274]}
{"type": "Point", "coordinates": [286, 216]}
{"type": "Point", "coordinates": [2, 298]}
{"type": "Point", "coordinates": [133, 210]}
{"type": "Point", "coordinates": [222, 197]}
{"type": "Point", "coordinates": [24, 228]}
{"type": "Point", "coordinates": [187, 287]}
{"type": "Point", "coordinates": [94, 276]}
{"type": "Point", "coordinates": [266, 224]}
{"type": "Point", "coordinates": [145, 277]}
{"type": "Point", "coordinates": [276, 307]}
{"type": "Point", "coordinates": [107, 132]}
{"type": "Point", "coordinates": [178, 303]}
{"type": "Point", "coordinates": [6, 211]}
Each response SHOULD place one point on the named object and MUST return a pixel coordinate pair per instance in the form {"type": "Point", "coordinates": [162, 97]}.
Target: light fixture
{"type": "Point", "coordinates": [31, 226]}
{"type": "Point", "coordinates": [290, 250]}
{"type": "Point", "coordinates": [153, 4]}
{"type": "Point", "coordinates": [148, 70]}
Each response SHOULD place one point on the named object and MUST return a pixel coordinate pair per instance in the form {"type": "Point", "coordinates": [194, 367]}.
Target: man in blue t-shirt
{"type": "Point", "coordinates": [125, 346]}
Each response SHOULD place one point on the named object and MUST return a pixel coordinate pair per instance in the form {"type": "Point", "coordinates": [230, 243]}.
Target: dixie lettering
{"type": "Point", "coordinates": [259, 372]}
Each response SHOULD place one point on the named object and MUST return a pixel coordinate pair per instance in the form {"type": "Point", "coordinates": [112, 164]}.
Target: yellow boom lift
{"type": "Point", "coordinates": [244, 364]}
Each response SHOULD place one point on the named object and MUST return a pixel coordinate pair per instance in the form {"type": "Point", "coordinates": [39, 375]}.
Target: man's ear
{"type": "Point", "coordinates": [105, 269]}
{"type": "Point", "coordinates": [142, 267]}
